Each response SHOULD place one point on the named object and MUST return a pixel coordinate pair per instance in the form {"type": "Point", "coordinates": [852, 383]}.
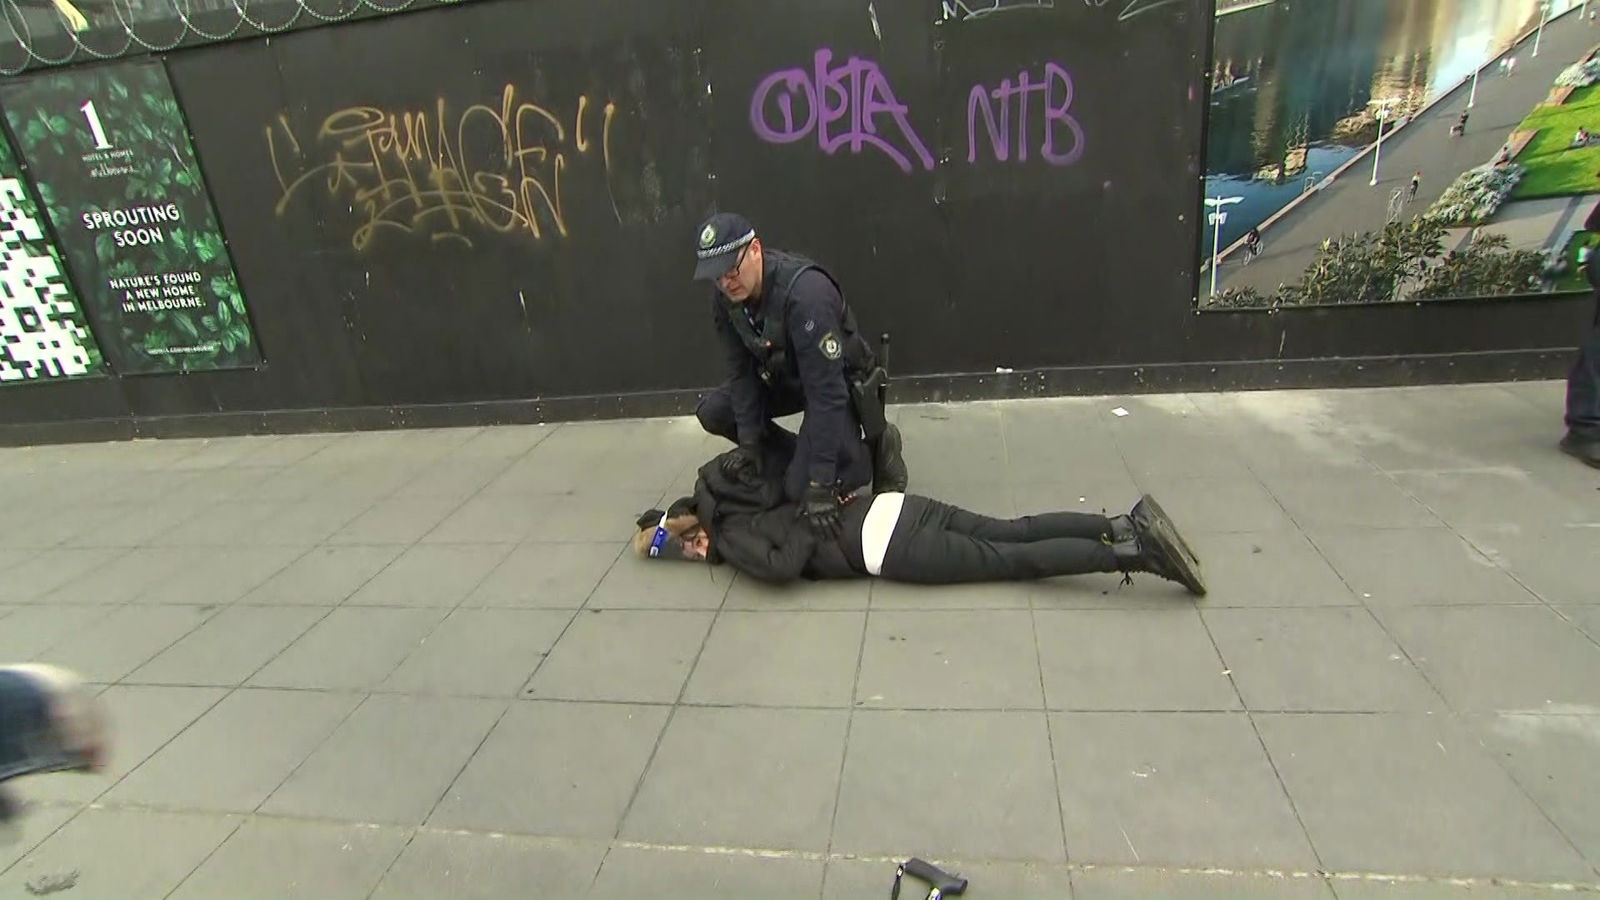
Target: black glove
{"type": "Point", "coordinates": [821, 510]}
{"type": "Point", "coordinates": [742, 461]}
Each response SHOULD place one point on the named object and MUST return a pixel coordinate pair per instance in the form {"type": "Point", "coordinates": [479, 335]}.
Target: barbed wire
{"type": "Point", "coordinates": [22, 52]}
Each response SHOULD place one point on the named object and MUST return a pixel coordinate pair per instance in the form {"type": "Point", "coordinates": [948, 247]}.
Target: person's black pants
{"type": "Point", "coordinates": [936, 543]}
{"type": "Point", "coordinates": [854, 460]}
{"type": "Point", "coordinates": [1583, 385]}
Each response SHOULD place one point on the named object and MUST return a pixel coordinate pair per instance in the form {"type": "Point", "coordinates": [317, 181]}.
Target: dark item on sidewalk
{"type": "Point", "coordinates": [942, 883]}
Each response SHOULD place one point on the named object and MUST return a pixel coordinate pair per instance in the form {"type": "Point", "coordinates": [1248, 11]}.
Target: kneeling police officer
{"type": "Point", "coordinates": [791, 344]}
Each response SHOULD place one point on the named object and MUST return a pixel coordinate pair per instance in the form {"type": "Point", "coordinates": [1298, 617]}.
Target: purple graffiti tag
{"type": "Point", "coordinates": [851, 97]}
{"type": "Point", "coordinates": [795, 83]}
{"type": "Point", "coordinates": [1056, 86]}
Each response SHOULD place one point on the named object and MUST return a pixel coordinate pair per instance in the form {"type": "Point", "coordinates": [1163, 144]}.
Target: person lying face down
{"type": "Point", "coordinates": [907, 537]}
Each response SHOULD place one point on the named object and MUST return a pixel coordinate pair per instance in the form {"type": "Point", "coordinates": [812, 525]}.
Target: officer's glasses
{"type": "Point", "coordinates": [738, 264]}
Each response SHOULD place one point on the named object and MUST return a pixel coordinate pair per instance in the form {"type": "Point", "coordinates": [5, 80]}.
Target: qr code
{"type": "Point", "coordinates": [40, 331]}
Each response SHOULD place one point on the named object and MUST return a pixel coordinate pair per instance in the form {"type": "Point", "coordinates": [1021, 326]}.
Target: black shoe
{"type": "Point", "coordinates": [1585, 451]}
{"type": "Point", "coordinates": [889, 467]}
{"type": "Point", "coordinates": [1156, 547]}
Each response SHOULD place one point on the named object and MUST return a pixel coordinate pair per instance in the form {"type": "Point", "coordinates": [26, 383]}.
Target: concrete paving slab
{"type": "Point", "coordinates": [631, 872]}
{"type": "Point", "coordinates": [595, 515]}
{"type": "Point", "coordinates": [547, 576]}
{"type": "Point", "coordinates": [229, 647]}
{"type": "Point", "coordinates": [555, 769]}
{"type": "Point", "coordinates": [1491, 658]}
{"type": "Point", "coordinates": [900, 596]}
{"type": "Point", "coordinates": [738, 751]}
{"type": "Point", "coordinates": [46, 570]}
{"type": "Point", "coordinates": [465, 866]}
{"type": "Point", "coordinates": [389, 762]}
{"type": "Point", "coordinates": [1558, 564]}
{"type": "Point", "coordinates": [1551, 755]}
{"type": "Point", "coordinates": [108, 650]}
{"type": "Point", "coordinates": [124, 577]}
{"type": "Point", "coordinates": [430, 575]}
{"type": "Point", "coordinates": [122, 854]}
{"type": "Point", "coordinates": [636, 582]}
{"type": "Point", "coordinates": [1130, 883]}
{"type": "Point", "coordinates": [310, 519]}
{"type": "Point", "coordinates": [238, 753]}
{"type": "Point", "coordinates": [492, 517]}
{"type": "Point", "coordinates": [1002, 812]}
{"type": "Point", "coordinates": [1131, 660]}
{"type": "Point", "coordinates": [141, 721]}
{"type": "Point", "coordinates": [269, 858]}
{"type": "Point", "coordinates": [1587, 618]}
{"type": "Point", "coordinates": [219, 577]}
{"type": "Point", "coordinates": [30, 630]}
{"type": "Point", "coordinates": [1474, 537]}
{"type": "Point", "coordinates": [480, 653]}
{"type": "Point", "coordinates": [324, 576]}
{"type": "Point", "coordinates": [38, 822]}
{"type": "Point", "coordinates": [353, 648]}
{"type": "Point", "coordinates": [1317, 660]}
{"type": "Point", "coordinates": [641, 656]}
{"type": "Point", "coordinates": [755, 595]}
{"type": "Point", "coordinates": [1267, 569]}
{"type": "Point", "coordinates": [397, 520]}
{"type": "Point", "coordinates": [1362, 499]}
{"type": "Point", "coordinates": [1498, 495]}
{"type": "Point", "coordinates": [1410, 792]}
{"type": "Point", "coordinates": [1473, 889]}
{"type": "Point", "coordinates": [779, 658]}
{"type": "Point", "coordinates": [950, 660]}
{"type": "Point", "coordinates": [1173, 789]}
{"type": "Point", "coordinates": [1395, 567]}
{"type": "Point", "coordinates": [1211, 505]}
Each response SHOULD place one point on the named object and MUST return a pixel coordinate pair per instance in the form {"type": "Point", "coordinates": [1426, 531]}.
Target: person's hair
{"type": "Point", "coordinates": [677, 526]}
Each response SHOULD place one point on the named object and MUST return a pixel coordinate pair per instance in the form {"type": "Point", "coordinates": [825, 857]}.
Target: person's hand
{"type": "Point", "coordinates": [742, 461]}
{"type": "Point", "coordinates": [821, 511]}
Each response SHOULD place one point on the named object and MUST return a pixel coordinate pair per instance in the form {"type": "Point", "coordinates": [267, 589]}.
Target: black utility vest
{"type": "Point", "coordinates": [766, 339]}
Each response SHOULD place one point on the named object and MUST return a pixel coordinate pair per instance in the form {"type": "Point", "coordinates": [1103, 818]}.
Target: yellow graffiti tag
{"type": "Point", "coordinates": [445, 174]}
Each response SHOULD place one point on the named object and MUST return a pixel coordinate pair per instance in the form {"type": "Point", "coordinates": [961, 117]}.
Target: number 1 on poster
{"type": "Point", "coordinates": [100, 142]}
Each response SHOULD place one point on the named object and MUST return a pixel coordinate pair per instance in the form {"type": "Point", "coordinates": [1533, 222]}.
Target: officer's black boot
{"type": "Point", "coordinates": [1145, 540]}
{"type": "Point", "coordinates": [889, 473]}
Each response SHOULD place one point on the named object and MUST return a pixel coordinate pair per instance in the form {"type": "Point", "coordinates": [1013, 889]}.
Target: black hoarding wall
{"type": "Point", "coordinates": [486, 212]}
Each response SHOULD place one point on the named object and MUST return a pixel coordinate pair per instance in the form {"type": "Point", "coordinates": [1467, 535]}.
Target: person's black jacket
{"type": "Point", "coordinates": [757, 532]}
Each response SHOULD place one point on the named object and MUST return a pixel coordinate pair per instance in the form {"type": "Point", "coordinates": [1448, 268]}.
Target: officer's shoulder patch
{"type": "Point", "coordinates": [830, 346]}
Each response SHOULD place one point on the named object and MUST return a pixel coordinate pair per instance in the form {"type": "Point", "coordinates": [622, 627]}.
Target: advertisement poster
{"type": "Point", "coordinates": [43, 333]}
{"type": "Point", "coordinates": [109, 153]}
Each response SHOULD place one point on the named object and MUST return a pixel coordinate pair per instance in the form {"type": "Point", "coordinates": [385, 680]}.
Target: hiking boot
{"type": "Point", "coordinates": [1585, 451]}
{"type": "Point", "coordinates": [889, 467]}
{"type": "Point", "coordinates": [1145, 540]}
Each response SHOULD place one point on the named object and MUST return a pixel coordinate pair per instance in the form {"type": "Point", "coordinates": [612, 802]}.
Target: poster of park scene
{"type": "Point", "coordinates": [1379, 151]}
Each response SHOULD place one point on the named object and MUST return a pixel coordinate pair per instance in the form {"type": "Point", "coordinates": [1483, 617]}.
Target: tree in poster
{"type": "Point", "coordinates": [111, 156]}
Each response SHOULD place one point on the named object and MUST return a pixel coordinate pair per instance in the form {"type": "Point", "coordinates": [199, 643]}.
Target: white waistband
{"type": "Point", "coordinates": [878, 528]}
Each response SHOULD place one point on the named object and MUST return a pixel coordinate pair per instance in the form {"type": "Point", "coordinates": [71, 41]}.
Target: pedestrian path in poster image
{"type": "Point", "coordinates": [427, 664]}
{"type": "Point", "coordinates": [1427, 145]}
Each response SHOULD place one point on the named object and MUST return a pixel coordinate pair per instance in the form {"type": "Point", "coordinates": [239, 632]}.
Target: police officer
{"type": "Point", "coordinates": [790, 344]}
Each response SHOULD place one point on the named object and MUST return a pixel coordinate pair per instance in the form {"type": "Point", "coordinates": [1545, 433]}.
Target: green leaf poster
{"type": "Point", "coordinates": [43, 334]}
{"type": "Point", "coordinates": [108, 149]}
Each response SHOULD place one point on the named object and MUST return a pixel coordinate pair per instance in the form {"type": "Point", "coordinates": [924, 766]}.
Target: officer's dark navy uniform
{"type": "Point", "coordinates": [790, 344]}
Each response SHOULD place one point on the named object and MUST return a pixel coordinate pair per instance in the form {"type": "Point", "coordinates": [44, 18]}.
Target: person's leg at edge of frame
{"type": "Point", "coordinates": [1582, 439]}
